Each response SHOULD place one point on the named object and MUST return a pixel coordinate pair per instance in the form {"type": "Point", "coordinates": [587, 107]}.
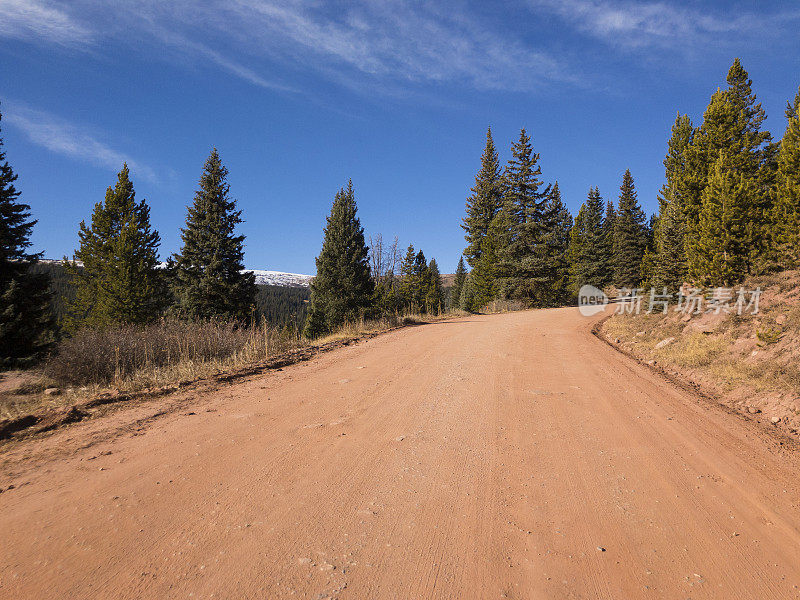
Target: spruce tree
{"type": "Point", "coordinates": [26, 325]}
{"type": "Point", "coordinates": [342, 288]}
{"type": "Point", "coordinates": [523, 268]}
{"type": "Point", "coordinates": [609, 222]}
{"type": "Point", "coordinates": [483, 277]}
{"type": "Point", "coordinates": [408, 280]}
{"type": "Point", "coordinates": [731, 125]}
{"type": "Point", "coordinates": [119, 281]}
{"type": "Point", "coordinates": [588, 265]}
{"type": "Point", "coordinates": [786, 212]}
{"type": "Point", "coordinates": [458, 283]}
{"type": "Point", "coordinates": [630, 236]}
{"type": "Point", "coordinates": [434, 298]}
{"type": "Point", "coordinates": [421, 281]}
{"type": "Point", "coordinates": [484, 203]}
{"type": "Point", "coordinates": [724, 224]}
{"type": "Point", "coordinates": [669, 260]}
{"type": "Point", "coordinates": [467, 299]}
{"type": "Point", "coordinates": [209, 279]}
{"type": "Point", "coordinates": [552, 277]}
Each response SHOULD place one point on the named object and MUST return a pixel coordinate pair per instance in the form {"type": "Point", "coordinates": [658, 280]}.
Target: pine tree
{"type": "Point", "coordinates": [731, 125]}
{"type": "Point", "coordinates": [408, 281]}
{"type": "Point", "coordinates": [458, 284]}
{"type": "Point", "coordinates": [669, 262]}
{"type": "Point", "coordinates": [343, 287]}
{"type": "Point", "coordinates": [209, 277]}
{"type": "Point", "coordinates": [434, 298]}
{"type": "Point", "coordinates": [669, 250]}
{"type": "Point", "coordinates": [609, 222]}
{"type": "Point", "coordinates": [630, 236]}
{"type": "Point", "coordinates": [467, 299]}
{"type": "Point", "coordinates": [421, 281]}
{"type": "Point", "coordinates": [724, 224]}
{"type": "Point", "coordinates": [586, 247]}
{"type": "Point", "coordinates": [26, 325]}
{"type": "Point", "coordinates": [484, 203]}
{"type": "Point", "coordinates": [552, 276]}
{"type": "Point", "coordinates": [119, 281]}
{"type": "Point", "coordinates": [483, 277]}
{"type": "Point", "coordinates": [786, 212]}
{"type": "Point", "coordinates": [522, 260]}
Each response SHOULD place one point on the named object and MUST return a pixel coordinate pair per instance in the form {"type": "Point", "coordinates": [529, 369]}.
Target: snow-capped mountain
{"type": "Point", "coordinates": [262, 277]}
{"type": "Point", "coordinates": [280, 278]}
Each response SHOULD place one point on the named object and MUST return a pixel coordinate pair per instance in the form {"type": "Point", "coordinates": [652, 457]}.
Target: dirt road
{"type": "Point", "coordinates": [506, 456]}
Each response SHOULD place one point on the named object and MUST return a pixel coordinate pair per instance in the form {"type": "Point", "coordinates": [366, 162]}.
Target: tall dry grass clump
{"type": "Point", "coordinates": [162, 352]}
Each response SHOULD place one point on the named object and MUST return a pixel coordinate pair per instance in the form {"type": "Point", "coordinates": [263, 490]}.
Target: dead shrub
{"type": "Point", "coordinates": [113, 354]}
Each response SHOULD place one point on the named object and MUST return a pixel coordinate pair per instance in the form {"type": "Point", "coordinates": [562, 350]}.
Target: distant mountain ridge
{"type": "Point", "coordinates": [277, 278]}
{"type": "Point", "coordinates": [281, 279]}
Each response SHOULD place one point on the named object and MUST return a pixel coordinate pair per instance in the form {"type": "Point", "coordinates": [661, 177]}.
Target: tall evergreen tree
{"type": "Point", "coordinates": [484, 203]}
{"type": "Point", "coordinates": [724, 224]}
{"type": "Point", "coordinates": [630, 236]}
{"type": "Point", "coordinates": [209, 277]}
{"type": "Point", "coordinates": [434, 298]}
{"type": "Point", "coordinates": [119, 281]}
{"type": "Point", "coordinates": [522, 257]}
{"type": "Point", "coordinates": [421, 281]}
{"type": "Point", "coordinates": [609, 222]}
{"type": "Point", "coordinates": [786, 212]}
{"type": "Point", "coordinates": [482, 280]}
{"type": "Point", "coordinates": [552, 276]}
{"type": "Point", "coordinates": [408, 281]}
{"type": "Point", "coordinates": [343, 287]}
{"type": "Point", "coordinates": [731, 125]}
{"type": "Point", "coordinates": [586, 248]}
{"type": "Point", "coordinates": [669, 260]}
{"type": "Point", "coordinates": [458, 283]}
{"type": "Point", "coordinates": [26, 327]}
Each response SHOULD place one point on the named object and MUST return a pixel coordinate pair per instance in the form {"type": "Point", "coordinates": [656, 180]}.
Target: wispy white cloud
{"type": "Point", "coordinates": [641, 24]}
{"type": "Point", "coordinates": [408, 43]}
{"type": "Point", "coordinates": [59, 136]}
{"type": "Point", "coordinates": [39, 21]}
{"type": "Point", "coordinates": [363, 44]}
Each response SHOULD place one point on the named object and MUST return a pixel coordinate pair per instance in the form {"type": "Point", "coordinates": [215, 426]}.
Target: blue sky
{"type": "Point", "coordinates": [301, 95]}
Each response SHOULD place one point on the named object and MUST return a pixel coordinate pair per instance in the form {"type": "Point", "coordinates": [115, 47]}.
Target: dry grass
{"type": "Point", "coordinates": [748, 360]}
{"type": "Point", "coordinates": [132, 359]}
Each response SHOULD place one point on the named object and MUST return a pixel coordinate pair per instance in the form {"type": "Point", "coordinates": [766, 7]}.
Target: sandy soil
{"type": "Point", "coordinates": [507, 456]}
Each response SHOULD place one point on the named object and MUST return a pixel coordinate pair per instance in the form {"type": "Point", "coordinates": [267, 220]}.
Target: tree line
{"type": "Point", "coordinates": [115, 276]}
{"type": "Point", "coordinates": [729, 208]}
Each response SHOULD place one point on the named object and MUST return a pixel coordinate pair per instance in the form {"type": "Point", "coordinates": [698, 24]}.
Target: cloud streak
{"type": "Point", "coordinates": [365, 45]}
{"type": "Point", "coordinates": [33, 20]}
{"type": "Point", "coordinates": [67, 139]}
{"type": "Point", "coordinates": [643, 24]}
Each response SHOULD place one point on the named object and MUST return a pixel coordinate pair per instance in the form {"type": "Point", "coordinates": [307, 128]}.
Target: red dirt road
{"type": "Point", "coordinates": [506, 456]}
